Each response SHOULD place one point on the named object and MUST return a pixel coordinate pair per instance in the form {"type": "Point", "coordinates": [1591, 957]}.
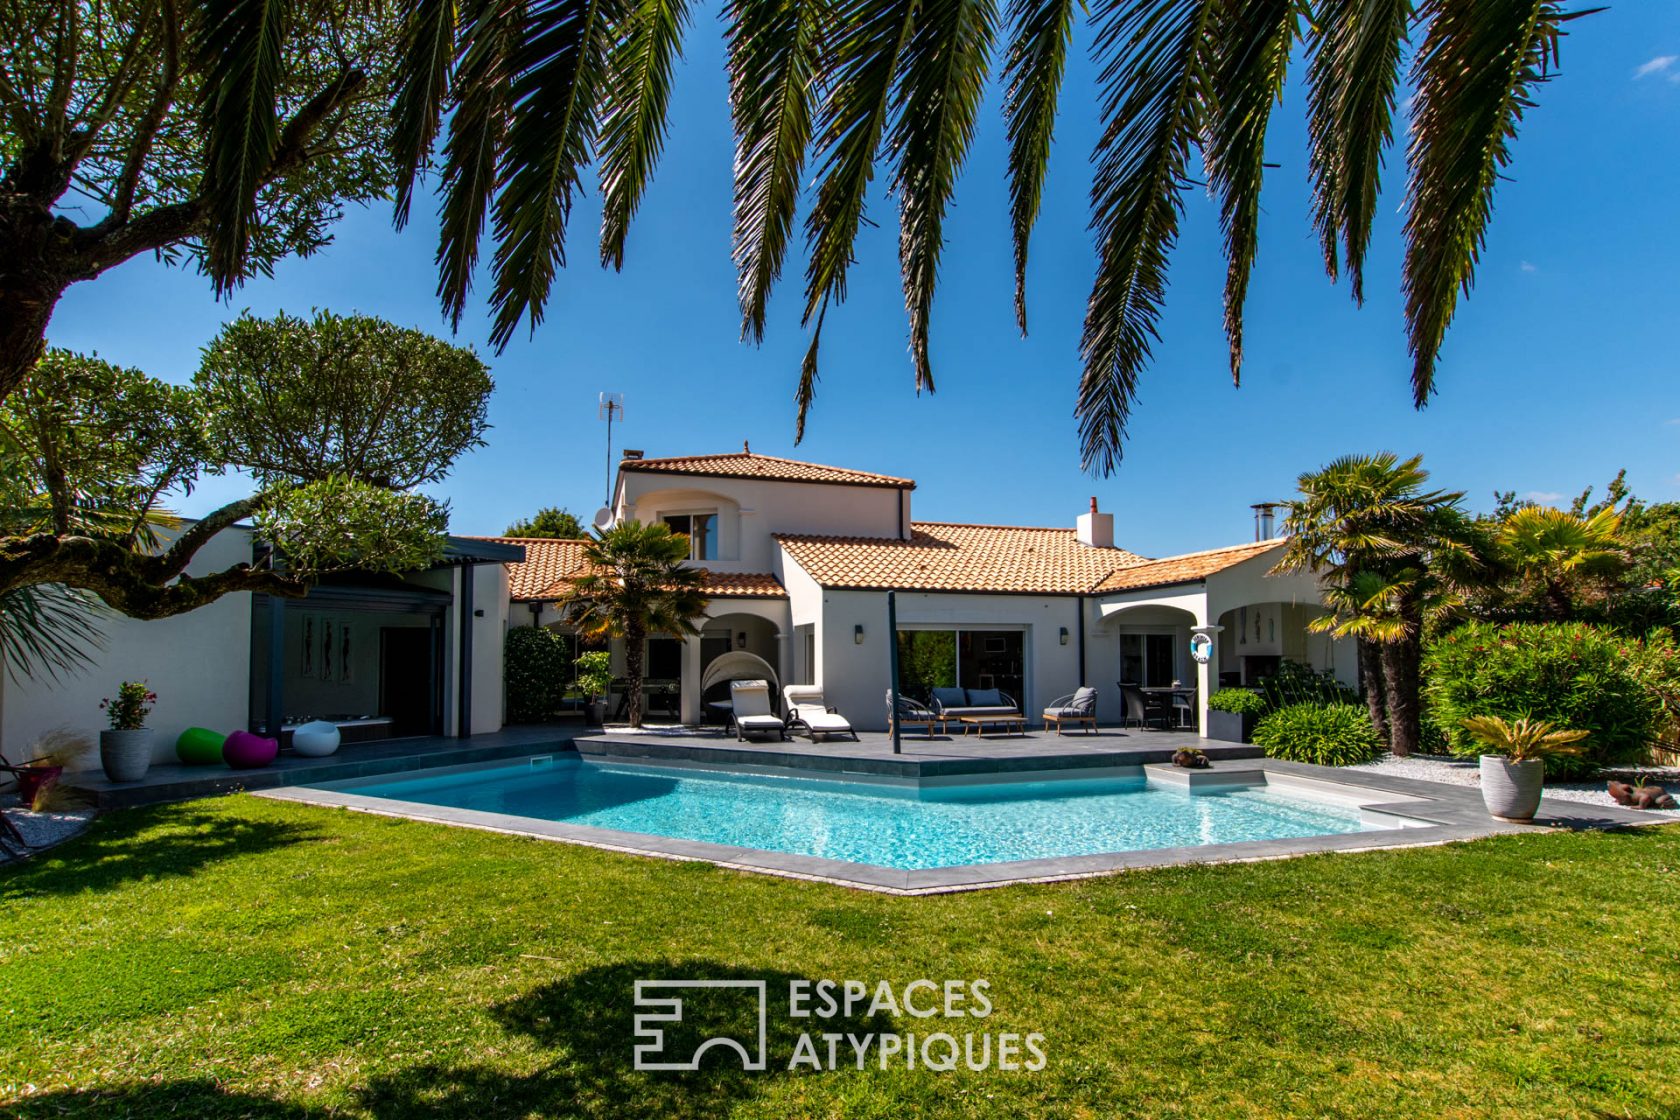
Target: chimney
{"type": "Point", "coordinates": [1265, 520]}
{"type": "Point", "coordinates": [1096, 530]}
{"type": "Point", "coordinates": [629, 454]}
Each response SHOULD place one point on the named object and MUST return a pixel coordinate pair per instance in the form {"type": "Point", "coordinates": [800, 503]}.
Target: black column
{"type": "Point", "coordinates": [464, 699]}
{"type": "Point", "coordinates": [276, 666]}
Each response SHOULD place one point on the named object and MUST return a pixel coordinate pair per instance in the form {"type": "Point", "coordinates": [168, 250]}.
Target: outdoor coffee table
{"type": "Point", "coordinates": [1013, 725]}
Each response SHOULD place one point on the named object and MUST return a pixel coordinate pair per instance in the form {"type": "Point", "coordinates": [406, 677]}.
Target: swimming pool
{"type": "Point", "coordinates": [890, 826]}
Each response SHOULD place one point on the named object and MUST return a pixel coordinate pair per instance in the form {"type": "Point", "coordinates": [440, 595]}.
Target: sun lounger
{"type": "Point", "coordinates": [753, 714]}
{"type": "Point", "coordinates": [807, 710]}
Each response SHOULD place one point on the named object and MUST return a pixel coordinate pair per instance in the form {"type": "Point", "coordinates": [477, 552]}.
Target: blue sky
{"type": "Point", "coordinates": [1560, 369]}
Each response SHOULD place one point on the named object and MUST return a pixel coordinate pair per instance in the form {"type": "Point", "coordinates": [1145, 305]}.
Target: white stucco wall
{"type": "Point", "coordinates": [198, 663]}
{"type": "Point", "coordinates": [751, 510]}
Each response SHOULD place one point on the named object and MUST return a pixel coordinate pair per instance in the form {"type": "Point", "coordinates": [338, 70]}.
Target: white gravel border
{"type": "Point", "coordinates": [1467, 772]}
{"type": "Point", "coordinates": [42, 830]}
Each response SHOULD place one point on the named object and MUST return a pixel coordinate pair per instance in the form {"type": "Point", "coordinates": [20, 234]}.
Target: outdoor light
{"type": "Point", "coordinates": [1064, 635]}
{"type": "Point", "coordinates": [857, 634]}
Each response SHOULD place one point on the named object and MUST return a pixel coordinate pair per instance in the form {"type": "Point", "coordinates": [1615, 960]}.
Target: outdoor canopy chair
{"type": "Point", "coordinates": [1078, 708]}
{"type": "Point", "coordinates": [807, 710]}
{"type": "Point", "coordinates": [753, 714]}
{"type": "Point", "coordinates": [911, 713]}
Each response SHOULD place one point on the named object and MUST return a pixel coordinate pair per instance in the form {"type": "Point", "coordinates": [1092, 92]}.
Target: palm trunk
{"type": "Point", "coordinates": [1400, 661]}
{"type": "Point", "coordinates": [1372, 684]}
{"type": "Point", "coordinates": [634, 652]}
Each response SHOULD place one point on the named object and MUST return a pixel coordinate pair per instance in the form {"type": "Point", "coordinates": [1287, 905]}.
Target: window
{"type": "Point", "coordinates": [929, 659]}
{"type": "Point", "coordinates": [1148, 659]}
{"type": "Point", "coordinates": [701, 531]}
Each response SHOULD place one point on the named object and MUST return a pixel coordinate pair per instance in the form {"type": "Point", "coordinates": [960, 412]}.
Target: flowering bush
{"type": "Point", "coordinates": [129, 710]}
{"type": "Point", "coordinates": [1568, 674]}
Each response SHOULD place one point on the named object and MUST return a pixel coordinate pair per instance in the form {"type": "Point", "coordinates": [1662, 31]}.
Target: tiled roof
{"type": "Point", "coordinates": [1184, 569]}
{"type": "Point", "coordinates": [744, 585]}
{"type": "Point", "coordinates": [546, 562]}
{"type": "Point", "coordinates": [943, 557]}
{"type": "Point", "coordinates": [744, 464]}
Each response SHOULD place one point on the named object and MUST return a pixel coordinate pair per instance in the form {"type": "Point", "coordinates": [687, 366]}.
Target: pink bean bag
{"type": "Point", "coordinates": [245, 751]}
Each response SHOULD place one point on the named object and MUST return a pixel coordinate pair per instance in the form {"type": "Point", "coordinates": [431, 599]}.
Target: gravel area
{"type": "Point", "coordinates": [42, 830]}
{"type": "Point", "coordinates": [1467, 772]}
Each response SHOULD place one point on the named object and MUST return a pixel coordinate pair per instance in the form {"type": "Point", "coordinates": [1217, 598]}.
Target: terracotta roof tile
{"type": "Point", "coordinates": [744, 585]}
{"type": "Point", "coordinates": [546, 562]}
{"type": "Point", "coordinates": [743, 464]}
{"type": "Point", "coordinates": [945, 557]}
{"type": "Point", "coordinates": [1186, 568]}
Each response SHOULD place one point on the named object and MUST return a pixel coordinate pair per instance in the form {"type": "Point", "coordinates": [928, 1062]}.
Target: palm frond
{"type": "Point", "coordinates": [238, 45]}
{"type": "Point", "coordinates": [1351, 83]}
{"type": "Point", "coordinates": [773, 61]}
{"type": "Point", "coordinates": [48, 632]}
{"type": "Point", "coordinates": [561, 75]}
{"type": "Point", "coordinates": [1254, 40]}
{"type": "Point", "coordinates": [858, 66]}
{"type": "Point", "coordinates": [634, 113]}
{"type": "Point", "coordinates": [1034, 64]}
{"type": "Point", "coordinates": [935, 101]}
{"type": "Point", "coordinates": [1476, 73]}
{"type": "Point", "coordinates": [481, 100]}
{"type": "Point", "coordinates": [428, 54]}
{"type": "Point", "coordinates": [1155, 56]}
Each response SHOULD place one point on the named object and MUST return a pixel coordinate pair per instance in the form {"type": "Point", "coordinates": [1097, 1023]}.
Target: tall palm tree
{"type": "Point", "coordinates": [523, 97]}
{"type": "Point", "coordinates": [1389, 550]}
{"type": "Point", "coordinates": [1559, 555]}
{"type": "Point", "coordinates": [636, 584]}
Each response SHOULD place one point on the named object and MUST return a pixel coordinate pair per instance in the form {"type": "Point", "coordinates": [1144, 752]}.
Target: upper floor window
{"type": "Point", "coordinates": [701, 531]}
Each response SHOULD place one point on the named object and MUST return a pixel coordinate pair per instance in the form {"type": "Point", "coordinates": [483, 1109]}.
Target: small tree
{"type": "Point", "coordinates": [536, 670]}
{"type": "Point", "coordinates": [549, 522]}
{"type": "Point", "coordinates": [636, 585]}
{"type": "Point", "coordinates": [1562, 559]}
{"type": "Point", "coordinates": [337, 419]}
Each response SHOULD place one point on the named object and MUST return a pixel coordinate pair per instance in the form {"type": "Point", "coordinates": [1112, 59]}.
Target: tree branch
{"type": "Point", "coordinates": [175, 560]}
{"type": "Point", "coordinates": [129, 181]}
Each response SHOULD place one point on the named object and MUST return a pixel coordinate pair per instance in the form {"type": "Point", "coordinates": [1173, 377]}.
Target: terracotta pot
{"type": "Point", "coordinates": [1511, 790]}
{"type": "Point", "coordinates": [126, 755]}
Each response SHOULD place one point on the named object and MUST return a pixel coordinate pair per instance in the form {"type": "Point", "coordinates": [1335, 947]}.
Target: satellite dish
{"type": "Point", "coordinates": [603, 518]}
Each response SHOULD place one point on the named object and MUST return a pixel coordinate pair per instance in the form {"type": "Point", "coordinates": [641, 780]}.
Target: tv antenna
{"type": "Point", "coordinates": [611, 408]}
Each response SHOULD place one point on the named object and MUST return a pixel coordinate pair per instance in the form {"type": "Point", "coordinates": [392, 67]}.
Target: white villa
{"type": "Point", "coordinates": [799, 558]}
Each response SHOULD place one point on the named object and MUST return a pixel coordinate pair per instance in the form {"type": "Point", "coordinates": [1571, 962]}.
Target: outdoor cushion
{"type": "Point", "coordinates": [245, 751]}
{"type": "Point", "coordinates": [199, 746]}
{"type": "Point", "coordinates": [985, 698]}
{"type": "Point", "coordinates": [949, 698]}
{"type": "Point", "coordinates": [1066, 713]}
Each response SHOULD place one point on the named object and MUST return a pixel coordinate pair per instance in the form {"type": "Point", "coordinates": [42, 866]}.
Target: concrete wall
{"type": "Point", "coordinates": [198, 664]}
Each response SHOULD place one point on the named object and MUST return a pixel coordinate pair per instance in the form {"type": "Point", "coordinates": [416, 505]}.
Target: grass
{"type": "Point", "coordinates": [247, 958]}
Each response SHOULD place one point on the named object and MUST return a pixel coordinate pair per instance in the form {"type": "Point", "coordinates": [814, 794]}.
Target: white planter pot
{"type": "Point", "coordinates": [126, 755]}
{"type": "Point", "coordinates": [315, 739]}
{"type": "Point", "coordinates": [1511, 790]}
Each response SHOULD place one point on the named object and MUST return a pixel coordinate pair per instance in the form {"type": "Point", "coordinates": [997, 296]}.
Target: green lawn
{"type": "Point", "coordinates": [240, 957]}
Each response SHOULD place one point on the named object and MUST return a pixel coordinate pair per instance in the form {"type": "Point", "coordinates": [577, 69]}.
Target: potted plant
{"type": "Point", "coordinates": [1514, 761]}
{"type": "Point", "coordinates": [594, 678]}
{"type": "Point", "coordinates": [53, 753]}
{"type": "Point", "coordinates": [125, 751]}
{"type": "Point", "coordinates": [1232, 714]}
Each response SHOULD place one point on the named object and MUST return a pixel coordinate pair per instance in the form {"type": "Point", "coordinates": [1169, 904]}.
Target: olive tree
{"type": "Point", "coordinates": [337, 420]}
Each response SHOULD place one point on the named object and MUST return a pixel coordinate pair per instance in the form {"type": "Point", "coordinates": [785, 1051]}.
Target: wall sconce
{"type": "Point", "coordinates": [1064, 635]}
{"type": "Point", "coordinates": [857, 634]}
{"type": "Point", "coordinates": [740, 639]}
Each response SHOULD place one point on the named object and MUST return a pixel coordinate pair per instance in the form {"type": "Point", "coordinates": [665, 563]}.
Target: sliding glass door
{"type": "Point", "coordinates": [1150, 660]}
{"type": "Point", "coordinates": [929, 659]}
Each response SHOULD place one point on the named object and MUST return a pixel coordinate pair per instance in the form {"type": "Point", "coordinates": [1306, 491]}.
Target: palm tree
{"type": "Point", "coordinates": [1558, 555]}
{"type": "Point", "coordinates": [1390, 551]}
{"type": "Point", "coordinates": [522, 98]}
{"type": "Point", "coordinates": [636, 584]}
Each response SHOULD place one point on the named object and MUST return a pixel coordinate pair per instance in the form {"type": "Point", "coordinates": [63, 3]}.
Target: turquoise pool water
{"type": "Point", "coordinates": [888, 826]}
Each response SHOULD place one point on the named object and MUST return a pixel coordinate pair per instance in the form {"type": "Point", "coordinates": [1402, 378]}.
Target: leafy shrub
{"type": "Point", "coordinates": [1294, 683]}
{"type": "Point", "coordinates": [1325, 734]}
{"type": "Point", "coordinates": [1569, 674]}
{"type": "Point", "coordinates": [536, 666]}
{"type": "Point", "coordinates": [594, 673]}
{"type": "Point", "coordinates": [1238, 700]}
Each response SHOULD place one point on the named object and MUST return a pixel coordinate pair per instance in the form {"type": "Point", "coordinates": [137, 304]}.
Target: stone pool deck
{"type": "Point", "coordinates": [1414, 813]}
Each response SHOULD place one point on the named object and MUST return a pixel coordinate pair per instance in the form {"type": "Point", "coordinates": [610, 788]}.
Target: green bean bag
{"type": "Point", "coordinates": [199, 746]}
